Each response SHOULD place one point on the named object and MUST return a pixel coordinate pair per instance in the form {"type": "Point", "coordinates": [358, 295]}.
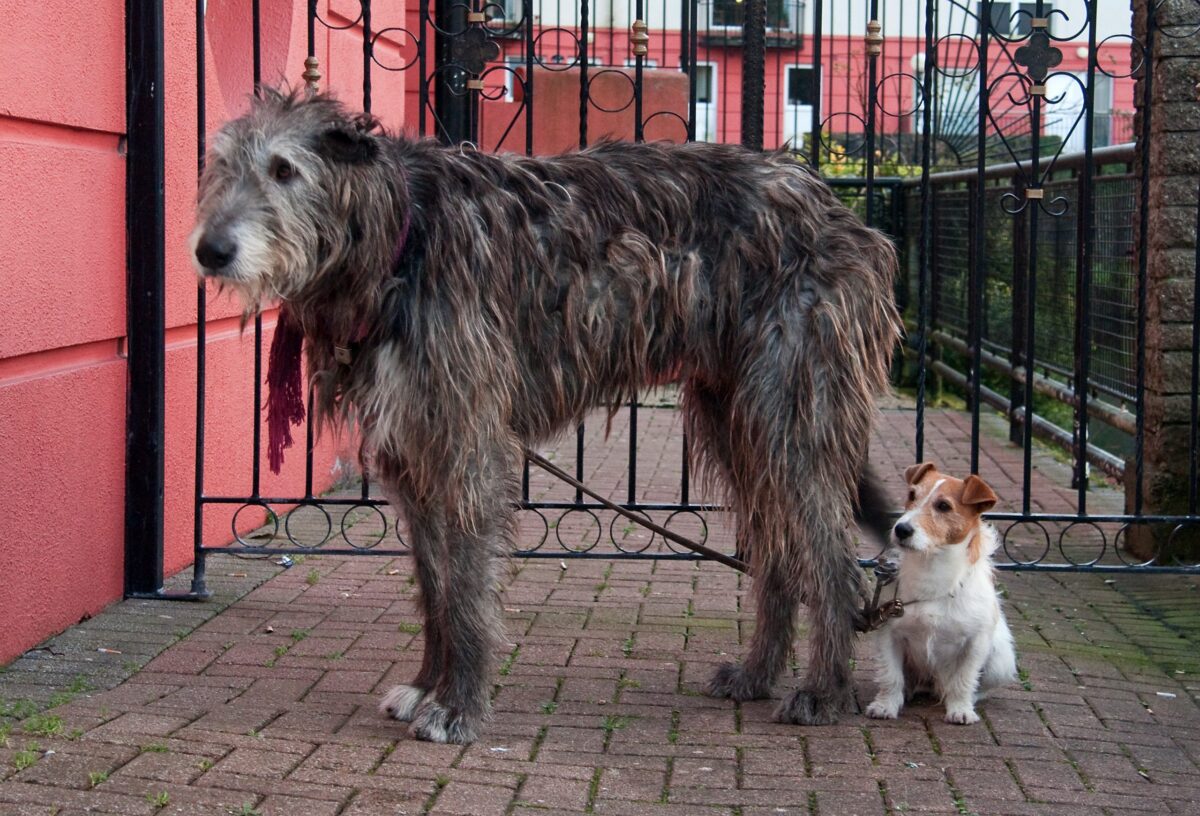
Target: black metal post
{"type": "Point", "coordinates": [145, 297]}
{"type": "Point", "coordinates": [754, 80]}
{"type": "Point", "coordinates": [451, 103]}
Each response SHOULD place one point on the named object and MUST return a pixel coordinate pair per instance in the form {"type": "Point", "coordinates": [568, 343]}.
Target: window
{"type": "Point", "coordinates": [704, 84]}
{"type": "Point", "coordinates": [1001, 16]}
{"type": "Point", "coordinates": [782, 15]}
{"type": "Point", "coordinates": [800, 89]}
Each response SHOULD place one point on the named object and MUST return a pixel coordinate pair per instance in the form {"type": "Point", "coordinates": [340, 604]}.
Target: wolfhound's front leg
{"type": "Point", "coordinates": [427, 535]}
{"type": "Point", "coordinates": [777, 596]}
{"type": "Point", "coordinates": [832, 586]}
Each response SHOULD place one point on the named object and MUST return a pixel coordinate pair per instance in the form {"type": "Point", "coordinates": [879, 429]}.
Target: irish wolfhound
{"type": "Point", "coordinates": [459, 306]}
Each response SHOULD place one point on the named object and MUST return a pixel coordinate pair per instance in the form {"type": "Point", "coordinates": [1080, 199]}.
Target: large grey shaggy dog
{"type": "Point", "coordinates": [459, 306]}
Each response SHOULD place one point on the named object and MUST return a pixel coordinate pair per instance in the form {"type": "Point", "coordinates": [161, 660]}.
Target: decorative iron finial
{"type": "Point", "coordinates": [312, 74]}
{"type": "Point", "coordinates": [640, 38]}
{"type": "Point", "coordinates": [874, 38]}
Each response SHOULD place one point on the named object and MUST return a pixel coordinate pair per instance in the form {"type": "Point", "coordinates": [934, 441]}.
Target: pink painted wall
{"type": "Point", "coordinates": [62, 258]}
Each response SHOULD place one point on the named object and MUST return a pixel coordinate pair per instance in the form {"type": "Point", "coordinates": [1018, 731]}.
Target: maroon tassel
{"type": "Point", "coordinates": [285, 397]}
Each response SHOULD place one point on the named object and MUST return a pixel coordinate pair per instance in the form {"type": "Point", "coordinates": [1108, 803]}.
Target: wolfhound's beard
{"type": "Point", "coordinates": [529, 291]}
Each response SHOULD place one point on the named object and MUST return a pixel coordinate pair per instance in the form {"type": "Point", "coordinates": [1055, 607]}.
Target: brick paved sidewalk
{"type": "Point", "coordinates": [269, 706]}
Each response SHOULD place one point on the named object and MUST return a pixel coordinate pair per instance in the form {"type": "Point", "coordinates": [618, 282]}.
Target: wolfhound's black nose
{"type": "Point", "coordinates": [215, 252]}
{"type": "Point", "coordinates": [904, 530]}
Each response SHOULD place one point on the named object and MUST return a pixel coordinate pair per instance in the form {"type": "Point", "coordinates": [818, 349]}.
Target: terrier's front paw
{"type": "Point", "coordinates": [401, 702]}
{"type": "Point", "coordinates": [434, 722]}
{"type": "Point", "coordinates": [881, 709]}
{"type": "Point", "coordinates": [732, 681]}
{"type": "Point", "coordinates": [961, 716]}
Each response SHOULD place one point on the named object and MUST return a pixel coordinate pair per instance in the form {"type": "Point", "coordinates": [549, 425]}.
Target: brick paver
{"type": "Point", "coordinates": [269, 707]}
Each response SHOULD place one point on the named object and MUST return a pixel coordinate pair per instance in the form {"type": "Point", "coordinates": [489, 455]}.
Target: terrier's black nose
{"type": "Point", "coordinates": [904, 530]}
{"type": "Point", "coordinates": [215, 252]}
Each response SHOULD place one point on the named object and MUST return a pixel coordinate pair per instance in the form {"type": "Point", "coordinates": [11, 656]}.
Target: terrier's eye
{"type": "Point", "coordinates": [912, 495]}
{"type": "Point", "coordinates": [282, 171]}
{"type": "Point", "coordinates": [943, 506]}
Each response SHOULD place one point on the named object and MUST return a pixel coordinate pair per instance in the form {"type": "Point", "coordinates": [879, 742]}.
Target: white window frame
{"type": "Point", "coordinates": [792, 116]}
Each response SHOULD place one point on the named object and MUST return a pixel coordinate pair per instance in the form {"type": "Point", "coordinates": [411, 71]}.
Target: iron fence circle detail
{"type": "Point", "coordinates": [613, 536]}
{"type": "Point", "coordinates": [918, 94]}
{"type": "Point", "coordinates": [1120, 554]}
{"type": "Point", "coordinates": [667, 114]}
{"type": "Point", "coordinates": [287, 524]}
{"type": "Point", "coordinates": [346, 530]}
{"type": "Point", "coordinates": [565, 65]}
{"type": "Point", "coordinates": [415, 41]}
{"type": "Point", "coordinates": [1135, 47]}
{"type": "Point", "coordinates": [1103, 543]}
{"type": "Point", "coordinates": [545, 528]}
{"type": "Point", "coordinates": [271, 515]}
{"type": "Point", "coordinates": [496, 11]}
{"type": "Point", "coordinates": [957, 71]}
{"type": "Point", "coordinates": [317, 16]}
{"type": "Point", "coordinates": [1045, 539]}
{"type": "Point", "coordinates": [1171, 541]}
{"type": "Point", "coordinates": [671, 545]}
{"type": "Point", "coordinates": [581, 549]}
{"type": "Point", "coordinates": [632, 90]}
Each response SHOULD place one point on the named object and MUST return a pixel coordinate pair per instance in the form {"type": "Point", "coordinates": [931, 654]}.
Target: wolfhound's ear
{"type": "Point", "coordinates": [913, 474]}
{"type": "Point", "coordinates": [976, 493]}
{"type": "Point", "coordinates": [353, 145]}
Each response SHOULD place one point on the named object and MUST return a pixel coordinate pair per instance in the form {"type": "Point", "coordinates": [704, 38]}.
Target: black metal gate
{"type": "Point", "coordinates": [1019, 197]}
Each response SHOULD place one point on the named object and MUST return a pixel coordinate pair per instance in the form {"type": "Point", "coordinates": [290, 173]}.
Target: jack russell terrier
{"type": "Point", "coordinates": [952, 638]}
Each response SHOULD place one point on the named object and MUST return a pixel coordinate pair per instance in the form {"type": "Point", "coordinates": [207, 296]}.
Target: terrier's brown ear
{"type": "Point", "coordinates": [913, 474]}
{"type": "Point", "coordinates": [976, 493]}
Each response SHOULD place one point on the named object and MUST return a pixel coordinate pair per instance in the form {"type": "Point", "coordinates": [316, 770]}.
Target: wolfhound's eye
{"type": "Point", "coordinates": [943, 506]}
{"type": "Point", "coordinates": [282, 171]}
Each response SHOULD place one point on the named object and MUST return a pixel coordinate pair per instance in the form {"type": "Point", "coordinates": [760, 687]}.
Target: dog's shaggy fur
{"type": "Point", "coordinates": [492, 301]}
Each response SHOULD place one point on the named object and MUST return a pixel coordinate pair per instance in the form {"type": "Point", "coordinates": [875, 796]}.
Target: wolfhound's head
{"type": "Point", "coordinates": [287, 191]}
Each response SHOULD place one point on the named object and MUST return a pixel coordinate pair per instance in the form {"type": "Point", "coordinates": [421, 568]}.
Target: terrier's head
{"type": "Point", "coordinates": [942, 513]}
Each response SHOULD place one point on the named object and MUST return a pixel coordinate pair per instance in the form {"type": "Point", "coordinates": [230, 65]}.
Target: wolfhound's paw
{"type": "Point", "coordinates": [883, 710]}
{"type": "Point", "coordinates": [961, 716]}
{"type": "Point", "coordinates": [803, 707]}
{"type": "Point", "coordinates": [401, 702]}
{"type": "Point", "coordinates": [434, 722]}
{"type": "Point", "coordinates": [732, 681]}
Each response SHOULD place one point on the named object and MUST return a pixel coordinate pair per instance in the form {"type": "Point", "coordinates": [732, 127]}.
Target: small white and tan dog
{"type": "Point", "coordinates": [952, 638]}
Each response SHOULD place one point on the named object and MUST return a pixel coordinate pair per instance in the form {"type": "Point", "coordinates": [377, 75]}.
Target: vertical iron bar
{"type": "Point", "coordinates": [1031, 294]}
{"type": "Point", "coordinates": [422, 66]}
{"type": "Point", "coordinates": [817, 90]}
{"type": "Point", "coordinates": [583, 79]}
{"type": "Point", "coordinates": [366, 48]}
{"type": "Point", "coordinates": [145, 243]}
{"type": "Point", "coordinates": [527, 91]}
{"type": "Point", "coordinates": [199, 589]}
{"type": "Point", "coordinates": [1139, 442]}
{"type": "Point", "coordinates": [1083, 281]}
{"type": "Point", "coordinates": [872, 93]}
{"type": "Point", "coordinates": [256, 464]}
{"type": "Point", "coordinates": [926, 238]}
{"type": "Point", "coordinates": [1194, 431]}
{"type": "Point", "coordinates": [638, 66]}
{"type": "Point", "coordinates": [754, 36]}
{"type": "Point", "coordinates": [453, 109]}
{"type": "Point", "coordinates": [1018, 354]}
{"type": "Point", "coordinates": [579, 435]}
{"type": "Point", "coordinates": [978, 254]}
